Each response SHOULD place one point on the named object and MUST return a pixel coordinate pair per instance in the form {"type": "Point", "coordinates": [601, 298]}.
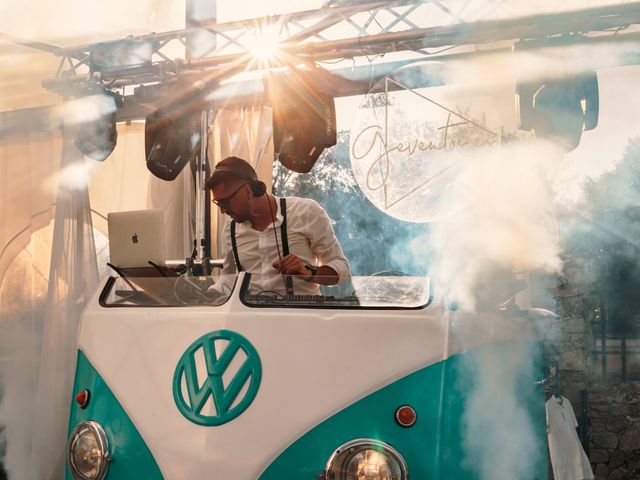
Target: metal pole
{"type": "Point", "coordinates": [206, 193]}
{"type": "Point", "coordinates": [200, 191]}
{"type": "Point", "coordinates": [584, 421]}
{"type": "Point", "coordinates": [605, 320]}
{"type": "Point", "coordinates": [623, 355]}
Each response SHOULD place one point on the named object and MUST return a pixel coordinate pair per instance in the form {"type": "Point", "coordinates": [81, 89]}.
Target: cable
{"type": "Point", "coordinates": [427, 53]}
{"type": "Point", "coordinates": [163, 270]}
{"type": "Point", "coordinates": [264, 292]}
{"type": "Point", "coordinates": [123, 276]}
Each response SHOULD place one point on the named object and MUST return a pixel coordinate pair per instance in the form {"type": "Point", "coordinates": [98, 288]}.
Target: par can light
{"type": "Point", "coordinates": [97, 137]}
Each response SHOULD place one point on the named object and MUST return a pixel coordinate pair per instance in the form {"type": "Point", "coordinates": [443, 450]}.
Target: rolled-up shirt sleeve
{"type": "Point", "coordinates": [323, 241]}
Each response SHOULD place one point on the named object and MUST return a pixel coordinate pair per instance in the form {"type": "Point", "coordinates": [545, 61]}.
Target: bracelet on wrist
{"type": "Point", "coordinates": [314, 272]}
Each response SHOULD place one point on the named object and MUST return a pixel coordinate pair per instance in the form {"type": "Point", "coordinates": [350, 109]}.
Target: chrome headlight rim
{"type": "Point", "coordinates": [351, 448]}
{"type": "Point", "coordinates": [103, 444]}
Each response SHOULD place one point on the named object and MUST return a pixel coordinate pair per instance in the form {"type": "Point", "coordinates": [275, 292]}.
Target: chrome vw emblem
{"type": "Point", "coordinates": [219, 378]}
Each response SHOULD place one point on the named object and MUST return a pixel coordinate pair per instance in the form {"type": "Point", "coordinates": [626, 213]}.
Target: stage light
{"type": "Point", "coordinates": [170, 142]}
{"type": "Point", "coordinates": [97, 136]}
{"type": "Point", "coordinates": [560, 109]}
{"type": "Point", "coordinates": [559, 105]}
{"type": "Point", "coordinates": [173, 132]}
{"type": "Point", "coordinates": [304, 120]}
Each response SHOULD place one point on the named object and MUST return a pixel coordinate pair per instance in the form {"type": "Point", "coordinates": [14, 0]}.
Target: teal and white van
{"type": "Point", "coordinates": [179, 380]}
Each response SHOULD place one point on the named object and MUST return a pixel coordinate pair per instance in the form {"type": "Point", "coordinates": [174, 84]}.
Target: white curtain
{"type": "Point", "coordinates": [48, 274]}
{"type": "Point", "coordinates": [27, 189]}
{"type": "Point", "coordinates": [245, 133]}
{"type": "Point", "coordinates": [28, 184]}
{"type": "Point", "coordinates": [123, 182]}
{"type": "Point", "coordinates": [177, 201]}
{"type": "Point", "coordinates": [41, 302]}
{"type": "Point", "coordinates": [23, 300]}
{"type": "Point", "coordinates": [73, 278]}
{"type": "Point", "coordinates": [120, 182]}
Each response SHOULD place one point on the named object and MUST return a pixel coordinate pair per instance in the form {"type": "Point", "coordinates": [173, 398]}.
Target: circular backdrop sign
{"type": "Point", "coordinates": [410, 145]}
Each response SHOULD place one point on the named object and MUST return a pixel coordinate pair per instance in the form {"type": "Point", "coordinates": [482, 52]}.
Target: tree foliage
{"type": "Point", "coordinates": [370, 238]}
{"type": "Point", "coordinates": [619, 188]}
{"type": "Point", "coordinates": [609, 236]}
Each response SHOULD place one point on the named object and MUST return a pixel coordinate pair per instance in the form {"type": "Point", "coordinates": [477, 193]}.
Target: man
{"type": "Point", "coordinates": [268, 236]}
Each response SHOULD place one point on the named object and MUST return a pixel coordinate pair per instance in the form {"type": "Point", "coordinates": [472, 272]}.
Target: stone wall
{"type": "Point", "coordinates": [614, 430]}
{"type": "Point", "coordinates": [613, 407]}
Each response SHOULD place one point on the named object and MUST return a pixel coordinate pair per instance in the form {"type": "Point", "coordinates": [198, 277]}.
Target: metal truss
{"type": "Point", "coordinates": [346, 29]}
{"type": "Point", "coordinates": [225, 43]}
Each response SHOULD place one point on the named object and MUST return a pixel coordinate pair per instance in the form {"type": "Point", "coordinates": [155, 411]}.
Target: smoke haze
{"type": "Point", "coordinates": [513, 197]}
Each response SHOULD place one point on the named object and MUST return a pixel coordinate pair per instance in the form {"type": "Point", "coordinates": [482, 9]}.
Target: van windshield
{"type": "Point", "coordinates": [378, 291]}
{"type": "Point", "coordinates": [168, 291]}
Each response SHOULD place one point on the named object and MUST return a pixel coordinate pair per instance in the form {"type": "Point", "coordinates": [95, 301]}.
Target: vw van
{"type": "Point", "coordinates": [185, 377]}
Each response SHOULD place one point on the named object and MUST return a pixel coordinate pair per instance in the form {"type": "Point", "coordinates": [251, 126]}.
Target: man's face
{"type": "Point", "coordinates": [233, 200]}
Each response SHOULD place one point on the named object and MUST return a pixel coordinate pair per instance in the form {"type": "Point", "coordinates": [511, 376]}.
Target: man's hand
{"type": "Point", "coordinates": [292, 265]}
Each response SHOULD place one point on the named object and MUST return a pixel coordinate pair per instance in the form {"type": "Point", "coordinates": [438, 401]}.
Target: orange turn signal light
{"type": "Point", "coordinates": [406, 416]}
{"type": "Point", "coordinates": [83, 398]}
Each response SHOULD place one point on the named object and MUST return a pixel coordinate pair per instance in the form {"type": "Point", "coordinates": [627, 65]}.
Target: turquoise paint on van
{"type": "Point", "coordinates": [435, 447]}
{"type": "Point", "coordinates": [131, 458]}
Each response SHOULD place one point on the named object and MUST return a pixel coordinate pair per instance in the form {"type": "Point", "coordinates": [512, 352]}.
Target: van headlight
{"type": "Point", "coordinates": [88, 451]}
{"type": "Point", "coordinates": [366, 459]}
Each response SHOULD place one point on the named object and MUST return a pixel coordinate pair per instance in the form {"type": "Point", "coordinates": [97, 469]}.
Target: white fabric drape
{"type": "Point", "coordinates": [27, 189]}
{"type": "Point", "coordinates": [28, 184]}
{"type": "Point", "coordinates": [73, 278]}
{"type": "Point", "coordinates": [120, 182]}
{"type": "Point", "coordinates": [23, 299]}
{"type": "Point", "coordinates": [177, 201]}
{"type": "Point", "coordinates": [123, 182]}
{"type": "Point", "coordinates": [245, 133]}
{"type": "Point", "coordinates": [41, 300]}
{"type": "Point", "coordinates": [41, 303]}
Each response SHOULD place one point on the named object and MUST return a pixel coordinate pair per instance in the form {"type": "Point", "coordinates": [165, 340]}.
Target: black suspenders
{"type": "Point", "coordinates": [283, 227]}
{"type": "Point", "coordinates": [283, 235]}
{"type": "Point", "coordinates": [234, 246]}
{"type": "Point", "coordinates": [288, 281]}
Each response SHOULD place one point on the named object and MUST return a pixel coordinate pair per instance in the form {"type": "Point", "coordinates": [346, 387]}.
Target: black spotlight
{"type": "Point", "coordinates": [560, 109]}
{"type": "Point", "coordinates": [170, 141]}
{"type": "Point", "coordinates": [304, 121]}
{"type": "Point", "coordinates": [96, 138]}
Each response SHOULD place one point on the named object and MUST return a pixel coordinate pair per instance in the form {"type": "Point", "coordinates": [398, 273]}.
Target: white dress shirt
{"type": "Point", "coordinates": [568, 459]}
{"type": "Point", "coordinates": [311, 238]}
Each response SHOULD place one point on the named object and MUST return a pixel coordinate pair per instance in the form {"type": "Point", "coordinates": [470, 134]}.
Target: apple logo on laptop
{"type": "Point", "coordinates": [134, 238]}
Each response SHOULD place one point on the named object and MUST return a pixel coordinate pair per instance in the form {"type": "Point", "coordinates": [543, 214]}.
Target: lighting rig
{"type": "Point", "coordinates": [152, 81]}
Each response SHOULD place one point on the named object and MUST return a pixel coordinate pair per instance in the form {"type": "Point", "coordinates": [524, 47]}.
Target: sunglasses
{"type": "Point", "coordinates": [224, 202]}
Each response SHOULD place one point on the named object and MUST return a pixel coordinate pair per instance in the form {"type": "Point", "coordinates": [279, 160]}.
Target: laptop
{"type": "Point", "coordinates": [135, 238]}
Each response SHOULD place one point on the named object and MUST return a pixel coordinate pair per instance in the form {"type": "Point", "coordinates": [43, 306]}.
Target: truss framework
{"type": "Point", "coordinates": [342, 30]}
